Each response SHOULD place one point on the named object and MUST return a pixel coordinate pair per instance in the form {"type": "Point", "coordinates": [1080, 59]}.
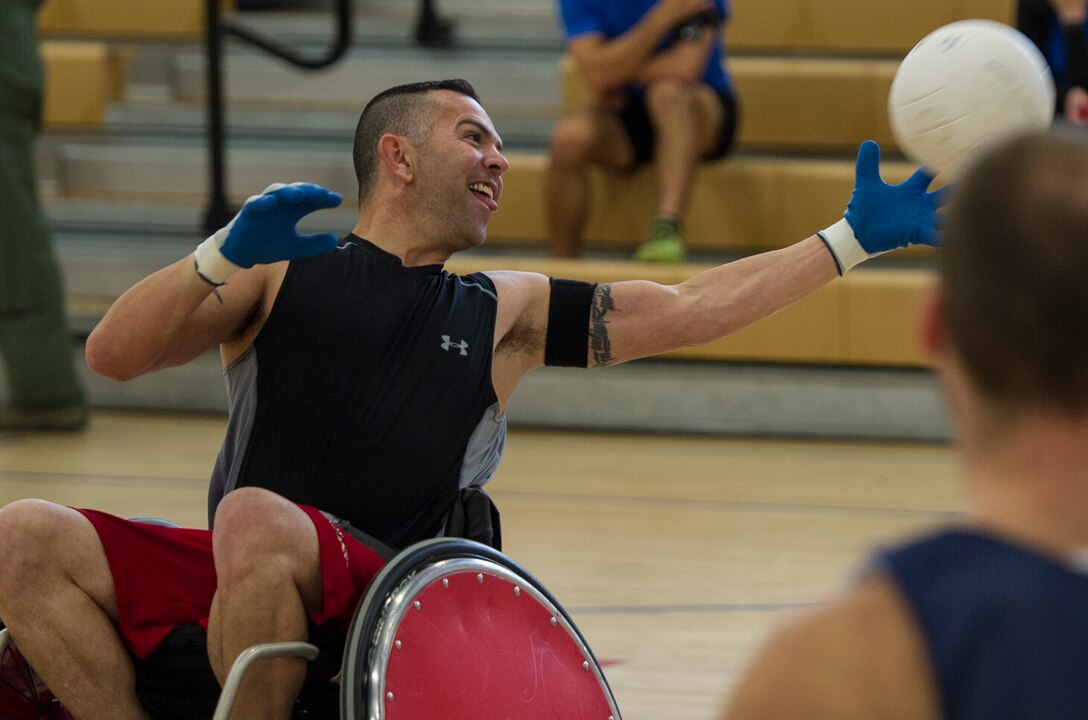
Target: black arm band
{"type": "Point", "coordinates": [567, 342]}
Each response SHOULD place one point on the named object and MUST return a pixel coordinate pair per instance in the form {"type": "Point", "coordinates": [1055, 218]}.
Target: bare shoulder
{"type": "Point", "coordinates": [861, 656]}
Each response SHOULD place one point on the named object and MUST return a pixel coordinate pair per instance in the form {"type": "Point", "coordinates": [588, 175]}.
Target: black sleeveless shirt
{"type": "Point", "coordinates": [367, 393]}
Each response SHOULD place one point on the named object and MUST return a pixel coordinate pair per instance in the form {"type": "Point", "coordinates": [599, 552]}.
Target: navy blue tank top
{"type": "Point", "coordinates": [367, 393]}
{"type": "Point", "coordinates": [1007, 628]}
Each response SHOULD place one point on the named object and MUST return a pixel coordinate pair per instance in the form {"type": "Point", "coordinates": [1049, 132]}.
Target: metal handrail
{"type": "Point", "coordinates": [219, 211]}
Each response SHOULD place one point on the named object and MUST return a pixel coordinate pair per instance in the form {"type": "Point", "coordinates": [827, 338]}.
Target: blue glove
{"type": "Point", "coordinates": [264, 231]}
{"type": "Point", "coordinates": [882, 217]}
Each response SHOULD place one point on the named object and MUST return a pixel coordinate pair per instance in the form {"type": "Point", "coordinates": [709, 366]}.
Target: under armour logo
{"type": "Point", "coordinates": [447, 344]}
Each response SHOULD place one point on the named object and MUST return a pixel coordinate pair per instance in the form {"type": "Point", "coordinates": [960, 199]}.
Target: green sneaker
{"type": "Point", "coordinates": [664, 243]}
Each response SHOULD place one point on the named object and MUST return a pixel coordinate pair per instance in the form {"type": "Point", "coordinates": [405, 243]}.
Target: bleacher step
{"type": "Point", "coordinates": [859, 27]}
{"type": "Point", "coordinates": [286, 124]}
{"type": "Point", "coordinates": [528, 27]}
{"type": "Point", "coordinates": [527, 85]}
{"type": "Point", "coordinates": [180, 170]}
{"type": "Point", "coordinates": [81, 79]}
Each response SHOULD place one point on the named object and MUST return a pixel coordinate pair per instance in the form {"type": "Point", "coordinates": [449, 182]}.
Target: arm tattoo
{"type": "Point", "coordinates": [598, 326]}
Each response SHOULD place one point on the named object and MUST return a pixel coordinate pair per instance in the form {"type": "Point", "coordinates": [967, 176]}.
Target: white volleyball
{"type": "Point", "coordinates": [965, 86]}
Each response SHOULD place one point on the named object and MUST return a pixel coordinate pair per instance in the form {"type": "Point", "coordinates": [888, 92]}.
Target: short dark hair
{"type": "Point", "coordinates": [396, 110]}
{"type": "Point", "coordinates": [1014, 270]}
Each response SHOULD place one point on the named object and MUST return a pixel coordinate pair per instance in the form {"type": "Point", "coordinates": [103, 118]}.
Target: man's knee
{"type": "Point", "coordinates": [27, 528]}
{"type": "Point", "coordinates": [29, 533]}
{"type": "Point", "coordinates": [259, 534]}
{"type": "Point", "coordinates": [252, 523]}
{"type": "Point", "coordinates": [665, 96]}
{"type": "Point", "coordinates": [571, 142]}
{"type": "Point", "coordinates": [240, 504]}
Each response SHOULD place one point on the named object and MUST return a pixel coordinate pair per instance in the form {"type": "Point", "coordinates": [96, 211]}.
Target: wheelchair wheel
{"type": "Point", "coordinates": [454, 629]}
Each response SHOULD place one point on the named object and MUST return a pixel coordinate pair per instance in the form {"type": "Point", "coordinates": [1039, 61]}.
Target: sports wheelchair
{"type": "Point", "coordinates": [450, 628]}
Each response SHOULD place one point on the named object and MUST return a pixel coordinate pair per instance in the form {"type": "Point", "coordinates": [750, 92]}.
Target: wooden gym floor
{"type": "Point", "coordinates": [675, 556]}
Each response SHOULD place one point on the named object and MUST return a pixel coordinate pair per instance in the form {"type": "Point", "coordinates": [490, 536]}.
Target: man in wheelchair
{"type": "Point", "coordinates": [365, 381]}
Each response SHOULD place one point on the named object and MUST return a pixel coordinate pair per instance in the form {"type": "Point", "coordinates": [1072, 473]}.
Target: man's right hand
{"type": "Point", "coordinates": [263, 231]}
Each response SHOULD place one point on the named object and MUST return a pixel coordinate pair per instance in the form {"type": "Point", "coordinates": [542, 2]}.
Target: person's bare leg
{"type": "Point", "coordinates": [686, 121]}
{"type": "Point", "coordinates": [268, 567]}
{"type": "Point", "coordinates": [57, 599]}
{"type": "Point", "coordinates": [579, 141]}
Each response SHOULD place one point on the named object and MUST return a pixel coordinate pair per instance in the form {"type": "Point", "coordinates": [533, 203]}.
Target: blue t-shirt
{"type": "Point", "coordinates": [1006, 627]}
{"type": "Point", "coordinates": [612, 18]}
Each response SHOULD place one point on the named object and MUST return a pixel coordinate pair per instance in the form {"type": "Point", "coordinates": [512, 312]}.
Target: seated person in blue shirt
{"type": "Point", "coordinates": [662, 96]}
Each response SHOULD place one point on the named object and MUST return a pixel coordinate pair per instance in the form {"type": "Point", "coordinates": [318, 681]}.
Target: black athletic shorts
{"type": "Point", "coordinates": [636, 121]}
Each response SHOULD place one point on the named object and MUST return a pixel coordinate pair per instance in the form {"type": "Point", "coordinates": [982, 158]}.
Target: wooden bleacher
{"type": "Point", "coordinates": [848, 27]}
{"type": "Point", "coordinates": [81, 78]}
{"type": "Point", "coordinates": [813, 104]}
{"type": "Point", "coordinates": [86, 66]}
{"type": "Point", "coordinates": [172, 20]}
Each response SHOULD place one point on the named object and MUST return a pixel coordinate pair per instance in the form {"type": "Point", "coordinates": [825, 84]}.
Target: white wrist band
{"type": "Point", "coordinates": [843, 245]}
{"type": "Point", "coordinates": [211, 264]}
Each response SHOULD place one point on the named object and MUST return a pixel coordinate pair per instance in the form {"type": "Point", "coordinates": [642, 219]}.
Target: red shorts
{"type": "Point", "coordinates": [165, 576]}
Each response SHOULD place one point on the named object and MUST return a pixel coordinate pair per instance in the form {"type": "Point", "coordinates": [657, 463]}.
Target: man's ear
{"type": "Point", "coordinates": [933, 325]}
{"type": "Point", "coordinates": [397, 156]}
